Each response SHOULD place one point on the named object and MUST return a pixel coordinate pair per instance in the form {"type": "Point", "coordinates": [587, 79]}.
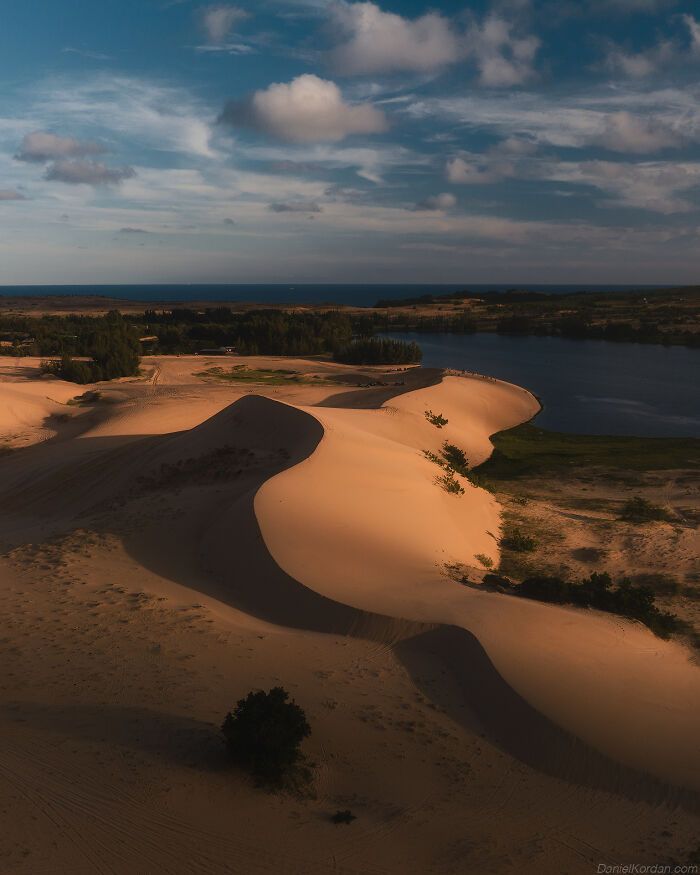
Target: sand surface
{"type": "Point", "coordinates": [181, 541]}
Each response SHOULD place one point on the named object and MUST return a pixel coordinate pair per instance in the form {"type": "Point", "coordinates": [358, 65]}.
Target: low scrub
{"type": "Point", "coordinates": [436, 419]}
{"type": "Point", "coordinates": [597, 591]}
{"type": "Point", "coordinates": [517, 541]}
{"type": "Point", "coordinates": [450, 484]}
{"type": "Point", "coordinates": [455, 459]}
{"type": "Point", "coordinates": [640, 510]}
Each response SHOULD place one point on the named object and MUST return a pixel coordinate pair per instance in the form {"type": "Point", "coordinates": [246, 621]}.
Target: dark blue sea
{"type": "Point", "coordinates": [359, 295]}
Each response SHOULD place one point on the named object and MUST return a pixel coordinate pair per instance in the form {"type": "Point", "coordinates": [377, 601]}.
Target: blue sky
{"type": "Point", "coordinates": [333, 141]}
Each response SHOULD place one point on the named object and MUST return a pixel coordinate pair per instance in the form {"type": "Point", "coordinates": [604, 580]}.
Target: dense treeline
{"type": "Point", "coordinates": [112, 343]}
{"type": "Point", "coordinates": [379, 351]}
{"type": "Point", "coordinates": [663, 316]}
{"type": "Point", "coordinates": [111, 346]}
{"type": "Point", "coordinates": [256, 332]}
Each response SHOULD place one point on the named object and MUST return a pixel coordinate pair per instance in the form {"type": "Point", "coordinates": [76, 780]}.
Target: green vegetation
{"type": "Point", "coordinates": [346, 816]}
{"type": "Point", "coordinates": [379, 351]}
{"type": "Point", "coordinates": [518, 541]}
{"type": "Point", "coordinates": [455, 459]}
{"type": "Point", "coordinates": [640, 510]}
{"type": "Point", "coordinates": [449, 484]}
{"type": "Point", "coordinates": [264, 734]}
{"type": "Point", "coordinates": [485, 560]}
{"type": "Point", "coordinates": [531, 451]}
{"type": "Point", "coordinates": [111, 346]}
{"type": "Point", "coordinates": [242, 374]}
{"type": "Point", "coordinates": [669, 316]}
{"type": "Point", "coordinates": [597, 591]}
{"type": "Point", "coordinates": [436, 419]}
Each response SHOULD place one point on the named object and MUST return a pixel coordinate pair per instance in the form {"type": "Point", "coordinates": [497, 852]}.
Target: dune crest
{"type": "Point", "coordinates": [361, 521]}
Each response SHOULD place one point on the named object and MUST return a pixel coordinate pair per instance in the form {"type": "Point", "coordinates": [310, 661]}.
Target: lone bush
{"type": "Point", "coordinates": [264, 733]}
{"type": "Point", "coordinates": [436, 419]}
{"type": "Point", "coordinates": [345, 816]}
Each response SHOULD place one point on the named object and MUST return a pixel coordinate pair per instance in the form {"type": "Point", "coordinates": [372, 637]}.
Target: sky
{"type": "Point", "coordinates": [312, 141]}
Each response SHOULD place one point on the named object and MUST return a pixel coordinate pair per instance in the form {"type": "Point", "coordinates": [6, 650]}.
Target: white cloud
{"type": "Point", "coordinates": [9, 194]}
{"type": "Point", "coordinates": [137, 111]}
{"type": "Point", "coordinates": [83, 172]}
{"type": "Point", "coordinates": [611, 117]}
{"type": "Point", "coordinates": [477, 170]}
{"type": "Point", "coordinates": [40, 147]}
{"type": "Point", "coordinates": [306, 110]}
{"type": "Point", "coordinates": [657, 186]}
{"type": "Point", "coordinates": [295, 207]}
{"type": "Point", "coordinates": [379, 41]}
{"type": "Point", "coordinates": [693, 26]}
{"type": "Point", "coordinates": [625, 132]}
{"type": "Point", "coordinates": [437, 202]}
{"type": "Point", "coordinates": [502, 58]}
{"type": "Point", "coordinates": [218, 22]}
{"type": "Point", "coordinates": [638, 65]}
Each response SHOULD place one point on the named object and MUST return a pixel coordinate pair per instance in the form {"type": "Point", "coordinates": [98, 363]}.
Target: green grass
{"type": "Point", "coordinates": [242, 374]}
{"type": "Point", "coordinates": [530, 451]}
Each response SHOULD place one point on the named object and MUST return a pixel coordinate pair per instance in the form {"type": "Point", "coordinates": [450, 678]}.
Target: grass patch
{"type": "Point", "coordinates": [268, 377]}
{"type": "Point", "coordinates": [530, 451]}
{"type": "Point", "coordinates": [640, 510]}
{"type": "Point", "coordinates": [517, 541]}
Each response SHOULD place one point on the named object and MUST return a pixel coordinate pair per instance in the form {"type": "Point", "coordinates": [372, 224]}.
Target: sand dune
{"type": "Point", "coordinates": [363, 522]}
{"type": "Point", "coordinates": [178, 544]}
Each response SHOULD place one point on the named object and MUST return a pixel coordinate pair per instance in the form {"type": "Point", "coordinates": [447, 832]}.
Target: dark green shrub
{"type": "Point", "coordinates": [436, 419]}
{"type": "Point", "coordinates": [449, 484]}
{"type": "Point", "coordinates": [640, 510]}
{"type": "Point", "coordinates": [518, 541]}
{"type": "Point", "coordinates": [545, 589]}
{"type": "Point", "coordinates": [264, 733]}
{"type": "Point", "coordinates": [455, 459]}
{"type": "Point", "coordinates": [345, 816]}
{"type": "Point", "coordinates": [597, 591]}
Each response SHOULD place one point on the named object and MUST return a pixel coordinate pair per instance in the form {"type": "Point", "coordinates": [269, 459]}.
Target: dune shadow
{"type": "Point", "coordinates": [518, 728]}
{"type": "Point", "coordinates": [173, 738]}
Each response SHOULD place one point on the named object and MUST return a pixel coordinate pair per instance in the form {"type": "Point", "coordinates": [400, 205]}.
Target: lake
{"type": "Point", "coordinates": [585, 386]}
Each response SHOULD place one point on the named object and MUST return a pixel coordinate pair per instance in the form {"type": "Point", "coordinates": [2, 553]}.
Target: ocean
{"type": "Point", "coordinates": [359, 294]}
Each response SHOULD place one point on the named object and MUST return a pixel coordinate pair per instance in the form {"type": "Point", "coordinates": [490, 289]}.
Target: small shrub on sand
{"type": "Point", "coordinates": [518, 541]}
{"type": "Point", "coordinates": [485, 560]}
{"type": "Point", "coordinates": [345, 816]}
{"type": "Point", "coordinates": [597, 591]}
{"type": "Point", "coordinates": [640, 510]}
{"type": "Point", "coordinates": [264, 734]}
{"type": "Point", "coordinates": [436, 419]}
{"type": "Point", "coordinates": [449, 484]}
{"type": "Point", "coordinates": [455, 459]}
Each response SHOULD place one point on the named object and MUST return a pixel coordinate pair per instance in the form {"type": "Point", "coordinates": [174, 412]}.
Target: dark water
{"type": "Point", "coordinates": [359, 295]}
{"type": "Point", "coordinates": [586, 386]}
